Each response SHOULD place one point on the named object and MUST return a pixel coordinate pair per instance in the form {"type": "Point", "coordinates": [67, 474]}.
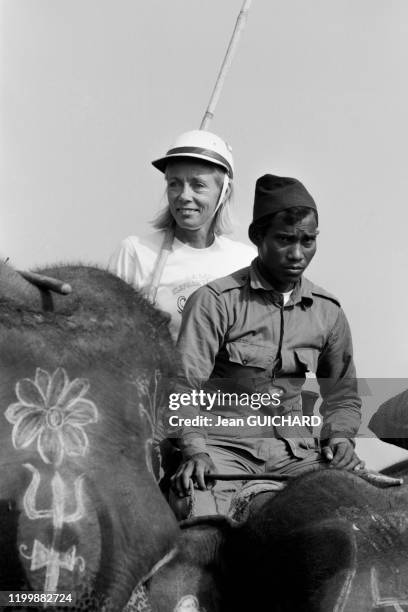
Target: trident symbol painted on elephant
{"type": "Point", "coordinates": [384, 602]}
{"type": "Point", "coordinates": [50, 558]}
{"type": "Point", "coordinates": [53, 411]}
{"type": "Point", "coordinates": [53, 561]}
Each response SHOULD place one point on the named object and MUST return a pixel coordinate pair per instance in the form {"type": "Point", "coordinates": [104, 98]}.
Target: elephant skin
{"type": "Point", "coordinates": [329, 542]}
{"type": "Point", "coordinates": [197, 578]}
{"type": "Point", "coordinates": [390, 422]}
{"type": "Point", "coordinates": [82, 378]}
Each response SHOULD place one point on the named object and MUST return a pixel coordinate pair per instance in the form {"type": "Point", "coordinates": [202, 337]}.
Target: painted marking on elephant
{"type": "Point", "coordinates": [148, 446]}
{"type": "Point", "coordinates": [139, 601]}
{"type": "Point", "coordinates": [50, 558]}
{"type": "Point", "coordinates": [148, 388]}
{"type": "Point", "coordinates": [345, 591]}
{"type": "Point", "coordinates": [384, 602]}
{"type": "Point", "coordinates": [188, 603]}
{"type": "Point", "coordinates": [52, 410]}
{"type": "Point", "coordinates": [161, 563]}
{"type": "Point", "coordinates": [53, 561]}
{"type": "Point", "coordinates": [59, 498]}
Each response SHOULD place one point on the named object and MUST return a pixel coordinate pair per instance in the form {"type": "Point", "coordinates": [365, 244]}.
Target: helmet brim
{"type": "Point", "coordinates": [162, 162]}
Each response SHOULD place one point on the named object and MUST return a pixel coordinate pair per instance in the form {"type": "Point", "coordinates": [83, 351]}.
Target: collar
{"type": "Point", "coordinates": [302, 291]}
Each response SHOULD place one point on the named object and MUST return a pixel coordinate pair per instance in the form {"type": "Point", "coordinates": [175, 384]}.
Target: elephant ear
{"type": "Point", "coordinates": [321, 562]}
{"type": "Point", "coordinates": [194, 579]}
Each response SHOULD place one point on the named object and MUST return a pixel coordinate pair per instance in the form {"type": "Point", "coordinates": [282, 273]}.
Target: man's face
{"type": "Point", "coordinates": [287, 249]}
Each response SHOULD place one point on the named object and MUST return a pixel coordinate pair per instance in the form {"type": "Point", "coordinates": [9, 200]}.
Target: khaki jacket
{"type": "Point", "coordinates": [237, 336]}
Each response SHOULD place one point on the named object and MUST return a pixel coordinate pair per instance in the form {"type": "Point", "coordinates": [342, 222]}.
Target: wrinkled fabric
{"type": "Point", "coordinates": [237, 336]}
{"type": "Point", "coordinates": [186, 268]}
{"type": "Point", "coordinates": [227, 460]}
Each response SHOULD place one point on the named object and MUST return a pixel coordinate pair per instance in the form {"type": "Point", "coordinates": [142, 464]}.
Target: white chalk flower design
{"type": "Point", "coordinates": [52, 410]}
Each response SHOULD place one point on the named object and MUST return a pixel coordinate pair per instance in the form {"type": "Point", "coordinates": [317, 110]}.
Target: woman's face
{"type": "Point", "coordinates": [193, 190]}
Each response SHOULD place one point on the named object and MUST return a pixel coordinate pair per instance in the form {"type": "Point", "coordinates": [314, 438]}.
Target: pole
{"type": "Point", "coordinates": [376, 478]}
{"type": "Point", "coordinates": [159, 266]}
{"type": "Point", "coordinates": [239, 26]}
{"type": "Point", "coordinates": [208, 116]}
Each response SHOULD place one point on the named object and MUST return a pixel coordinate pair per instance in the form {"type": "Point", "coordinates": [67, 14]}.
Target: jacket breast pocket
{"type": "Point", "coordinates": [249, 355]}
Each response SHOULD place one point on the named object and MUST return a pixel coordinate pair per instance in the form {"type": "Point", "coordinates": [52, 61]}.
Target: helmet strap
{"type": "Point", "coordinates": [223, 192]}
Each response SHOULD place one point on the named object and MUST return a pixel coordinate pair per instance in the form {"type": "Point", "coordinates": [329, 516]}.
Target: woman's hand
{"type": "Point", "coordinates": [193, 469]}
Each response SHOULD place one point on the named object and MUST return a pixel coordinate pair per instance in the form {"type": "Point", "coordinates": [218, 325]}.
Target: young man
{"type": "Point", "coordinates": [251, 336]}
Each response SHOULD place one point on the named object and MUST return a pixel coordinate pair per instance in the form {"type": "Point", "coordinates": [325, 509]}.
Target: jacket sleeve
{"type": "Point", "coordinates": [336, 374]}
{"type": "Point", "coordinates": [204, 323]}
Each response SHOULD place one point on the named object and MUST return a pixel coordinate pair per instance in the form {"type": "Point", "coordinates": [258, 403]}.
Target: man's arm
{"type": "Point", "coordinates": [341, 407]}
{"type": "Point", "coordinates": [204, 323]}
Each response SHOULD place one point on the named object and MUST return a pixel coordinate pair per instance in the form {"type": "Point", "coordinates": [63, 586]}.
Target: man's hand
{"type": "Point", "coordinates": [193, 469]}
{"type": "Point", "coordinates": [340, 453]}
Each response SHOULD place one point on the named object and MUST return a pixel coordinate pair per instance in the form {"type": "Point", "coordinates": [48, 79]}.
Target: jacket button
{"type": "Point", "coordinates": [245, 361]}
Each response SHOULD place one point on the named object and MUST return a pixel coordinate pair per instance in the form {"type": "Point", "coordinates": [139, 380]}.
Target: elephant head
{"type": "Point", "coordinates": [197, 579]}
{"type": "Point", "coordinates": [82, 380]}
{"type": "Point", "coordinates": [329, 542]}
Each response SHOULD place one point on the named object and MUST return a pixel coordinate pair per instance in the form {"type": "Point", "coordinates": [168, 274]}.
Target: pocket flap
{"type": "Point", "coordinates": [250, 355]}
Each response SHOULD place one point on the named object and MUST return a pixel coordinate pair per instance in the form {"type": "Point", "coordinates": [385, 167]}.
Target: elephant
{"type": "Point", "coordinates": [197, 578]}
{"type": "Point", "coordinates": [328, 542]}
{"type": "Point", "coordinates": [390, 423]}
{"type": "Point", "coordinates": [82, 380]}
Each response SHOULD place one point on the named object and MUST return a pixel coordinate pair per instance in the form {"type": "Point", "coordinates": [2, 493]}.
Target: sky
{"type": "Point", "coordinates": [92, 90]}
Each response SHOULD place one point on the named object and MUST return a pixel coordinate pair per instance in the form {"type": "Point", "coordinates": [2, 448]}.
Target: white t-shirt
{"type": "Point", "coordinates": [185, 270]}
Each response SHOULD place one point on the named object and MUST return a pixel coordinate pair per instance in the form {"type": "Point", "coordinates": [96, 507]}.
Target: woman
{"type": "Point", "coordinates": [189, 249]}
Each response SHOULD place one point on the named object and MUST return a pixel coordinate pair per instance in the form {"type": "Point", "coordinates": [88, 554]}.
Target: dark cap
{"type": "Point", "coordinates": [276, 193]}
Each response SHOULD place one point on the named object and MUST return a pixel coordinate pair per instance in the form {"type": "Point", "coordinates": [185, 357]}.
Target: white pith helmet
{"type": "Point", "coordinates": [200, 145]}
